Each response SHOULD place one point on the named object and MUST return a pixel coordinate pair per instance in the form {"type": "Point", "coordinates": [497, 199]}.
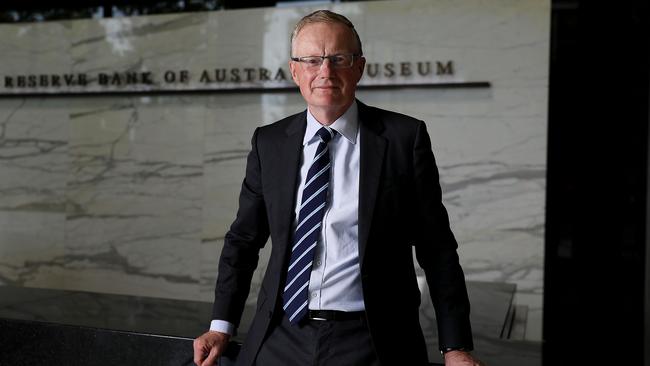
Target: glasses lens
{"type": "Point", "coordinates": [336, 61]}
{"type": "Point", "coordinates": [312, 61]}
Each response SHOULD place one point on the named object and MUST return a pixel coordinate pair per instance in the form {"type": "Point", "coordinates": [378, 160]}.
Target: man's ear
{"type": "Point", "coordinates": [361, 65]}
{"type": "Point", "coordinates": [294, 72]}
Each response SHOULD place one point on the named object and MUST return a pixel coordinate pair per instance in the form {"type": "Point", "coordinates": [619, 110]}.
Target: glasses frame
{"type": "Point", "coordinates": [303, 61]}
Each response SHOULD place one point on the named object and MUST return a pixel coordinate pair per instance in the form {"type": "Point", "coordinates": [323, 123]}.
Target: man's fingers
{"type": "Point", "coordinates": [208, 347]}
{"type": "Point", "coordinates": [212, 357]}
{"type": "Point", "coordinates": [199, 351]}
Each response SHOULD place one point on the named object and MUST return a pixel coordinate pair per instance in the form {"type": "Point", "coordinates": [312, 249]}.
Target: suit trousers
{"type": "Point", "coordinates": [318, 343]}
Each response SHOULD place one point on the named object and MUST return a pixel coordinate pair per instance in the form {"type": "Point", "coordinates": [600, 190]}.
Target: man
{"type": "Point", "coordinates": [345, 192]}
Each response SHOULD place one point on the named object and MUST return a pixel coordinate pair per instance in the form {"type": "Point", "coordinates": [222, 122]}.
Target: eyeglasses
{"type": "Point", "coordinates": [336, 61]}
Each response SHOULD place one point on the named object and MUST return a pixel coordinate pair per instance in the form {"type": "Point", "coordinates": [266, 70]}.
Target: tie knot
{"type": "Point", "coordinates": [326, 134]}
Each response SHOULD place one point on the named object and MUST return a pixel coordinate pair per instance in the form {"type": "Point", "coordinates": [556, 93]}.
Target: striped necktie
{"type": "Point", "coordinates": [310, 217]}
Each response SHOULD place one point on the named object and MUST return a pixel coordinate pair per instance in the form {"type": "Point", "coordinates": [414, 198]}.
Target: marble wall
{"type": "Point", "coordinates": [133, 193]}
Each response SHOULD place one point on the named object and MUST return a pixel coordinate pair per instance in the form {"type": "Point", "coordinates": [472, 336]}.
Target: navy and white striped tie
{"type": "Point", "coordinates": [310, 217]}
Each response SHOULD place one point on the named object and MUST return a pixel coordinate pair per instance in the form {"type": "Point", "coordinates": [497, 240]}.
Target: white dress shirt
{"type": "Point", "coordinates": [335, 282]}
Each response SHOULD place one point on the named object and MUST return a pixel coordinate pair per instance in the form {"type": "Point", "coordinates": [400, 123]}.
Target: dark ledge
{"type": "Point", "coordinates": [57, 327]}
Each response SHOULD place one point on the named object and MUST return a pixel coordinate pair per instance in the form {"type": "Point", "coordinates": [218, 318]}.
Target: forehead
{"type": "Point", "coordinates": [325, 38]}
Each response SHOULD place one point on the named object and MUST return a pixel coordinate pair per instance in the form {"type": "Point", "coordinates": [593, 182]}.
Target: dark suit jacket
{"type": "Point", "coordinates": [400, 208]}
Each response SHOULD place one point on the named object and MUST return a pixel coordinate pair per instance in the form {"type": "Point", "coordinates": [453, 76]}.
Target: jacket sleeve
{"type": "Point", "coordinates": [242, 243]}
{"type": "Point", "coordinates": [435, 249]}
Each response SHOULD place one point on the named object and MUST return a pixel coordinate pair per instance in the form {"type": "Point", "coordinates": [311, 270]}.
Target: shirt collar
{"type": "Point", "coordinates": [347, 125]}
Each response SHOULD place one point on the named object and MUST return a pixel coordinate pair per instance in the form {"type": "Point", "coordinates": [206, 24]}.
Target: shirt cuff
{"type": "Point", "coordinates": [222, 326]}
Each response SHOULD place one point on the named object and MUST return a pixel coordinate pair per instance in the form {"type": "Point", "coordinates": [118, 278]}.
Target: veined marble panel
{"type": "Point", "coordinates": [33, 171]}
{"type": "Point", "coordinates": [33, 155]}
{"type": "Point", "coordinates": [228, 125]}
{"type": "Point", "coordinates": [31, 248]}
{"type": "Point", "coordinates": [134, 198]}
{"type": "Point", "coordinates": [41, 46]}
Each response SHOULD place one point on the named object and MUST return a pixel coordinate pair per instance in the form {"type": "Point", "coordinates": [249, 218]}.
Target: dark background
{"type": "Point", "coordinates": [596, 271]}
{"type": "Point", "coordinates": [596, 217]}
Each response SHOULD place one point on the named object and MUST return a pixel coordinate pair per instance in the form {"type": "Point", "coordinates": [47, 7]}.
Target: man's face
{"type": "Point", "coordinates": [325, 87]}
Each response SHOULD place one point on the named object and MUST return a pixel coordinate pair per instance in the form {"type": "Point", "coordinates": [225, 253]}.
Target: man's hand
{"type": "Point", "coordinates": [461, 358]}
{"type": "Point", "coordinates": [208, 347]}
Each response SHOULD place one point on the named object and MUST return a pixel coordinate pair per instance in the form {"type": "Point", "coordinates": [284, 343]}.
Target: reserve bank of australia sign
{"type": "Point", "coordinates": [403, 73]}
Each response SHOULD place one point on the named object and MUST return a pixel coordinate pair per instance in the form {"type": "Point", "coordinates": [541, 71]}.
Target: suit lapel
{"type": "Point", "coordinates": [289, 151]}
{"type": "Point", "coordinates": [372, 153]}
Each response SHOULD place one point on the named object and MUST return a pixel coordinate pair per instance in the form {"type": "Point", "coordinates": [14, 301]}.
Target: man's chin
{"type": "Point", "coordinates": [333, 98]}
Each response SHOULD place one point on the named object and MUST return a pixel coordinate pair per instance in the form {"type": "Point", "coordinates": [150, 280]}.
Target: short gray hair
{"type": "Point", "coordinates": [325, 16]}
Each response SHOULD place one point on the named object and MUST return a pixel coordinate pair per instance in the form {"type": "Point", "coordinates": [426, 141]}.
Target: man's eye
{"type": "Point", "coordinates": [312, 60]}
{"type": "Point", "coordinates": [337, 59]}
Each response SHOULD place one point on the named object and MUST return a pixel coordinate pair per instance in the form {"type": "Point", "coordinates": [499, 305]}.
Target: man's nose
{"type": "Point", "coordinates": [326, 68]}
